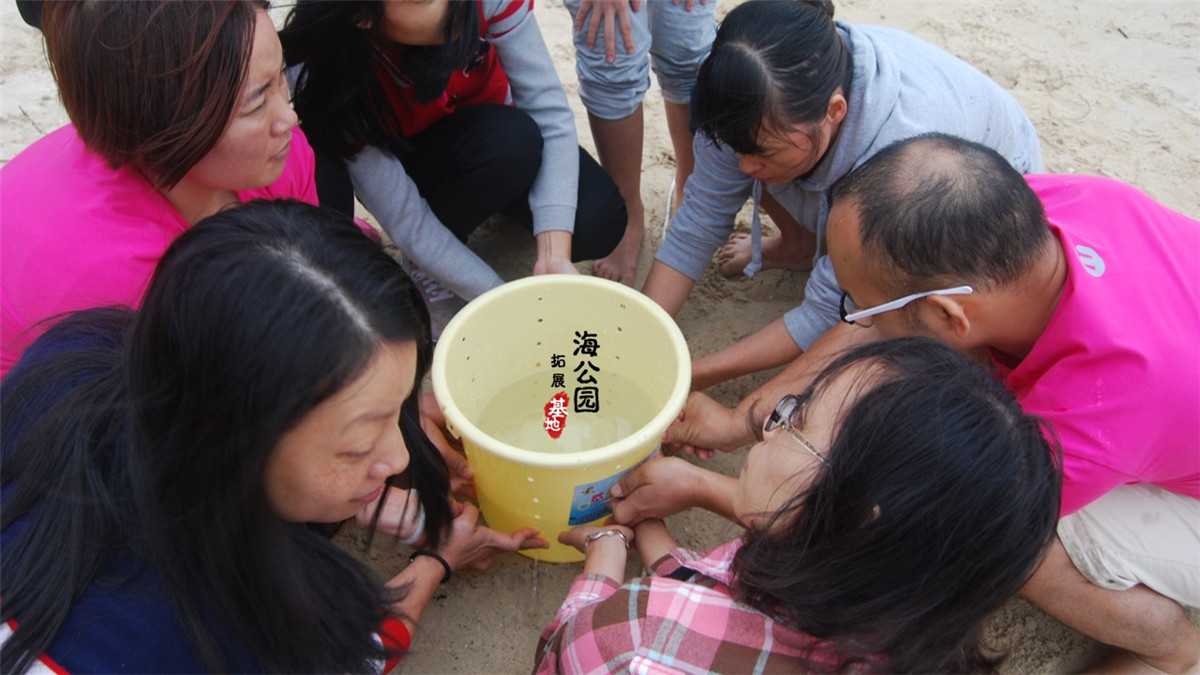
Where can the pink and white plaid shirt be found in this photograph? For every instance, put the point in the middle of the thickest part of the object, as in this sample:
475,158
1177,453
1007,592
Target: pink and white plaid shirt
661,624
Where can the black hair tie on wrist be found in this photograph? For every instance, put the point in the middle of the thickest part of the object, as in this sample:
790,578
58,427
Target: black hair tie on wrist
435,556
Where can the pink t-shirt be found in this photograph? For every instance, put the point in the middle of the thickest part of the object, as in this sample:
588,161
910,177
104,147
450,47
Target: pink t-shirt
76,234
1117,370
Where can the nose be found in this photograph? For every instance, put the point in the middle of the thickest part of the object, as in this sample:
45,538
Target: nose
286,118
749,164
393,458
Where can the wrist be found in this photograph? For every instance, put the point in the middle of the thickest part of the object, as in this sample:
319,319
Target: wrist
605,533
554,245
434,558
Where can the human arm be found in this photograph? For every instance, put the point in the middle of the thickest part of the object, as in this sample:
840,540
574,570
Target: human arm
712,197
653,540
387,191
536,90
769,347
820,310
554,253
608,12
667,485
467,545
668,287
706,425
605,555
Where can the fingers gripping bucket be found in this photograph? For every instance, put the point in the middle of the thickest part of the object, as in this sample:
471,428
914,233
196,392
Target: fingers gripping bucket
551,364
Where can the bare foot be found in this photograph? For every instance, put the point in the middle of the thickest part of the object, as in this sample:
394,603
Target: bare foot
777,253
621,264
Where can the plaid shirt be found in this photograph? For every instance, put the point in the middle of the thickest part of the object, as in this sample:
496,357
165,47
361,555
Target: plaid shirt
660,624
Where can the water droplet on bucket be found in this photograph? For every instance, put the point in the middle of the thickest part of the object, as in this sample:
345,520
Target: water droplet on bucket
537,516
529,478
536,500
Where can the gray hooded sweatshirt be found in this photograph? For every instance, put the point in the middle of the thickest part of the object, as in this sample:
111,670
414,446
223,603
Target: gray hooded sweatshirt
901,87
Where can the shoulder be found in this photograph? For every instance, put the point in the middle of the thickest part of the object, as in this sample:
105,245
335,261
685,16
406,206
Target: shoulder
500,17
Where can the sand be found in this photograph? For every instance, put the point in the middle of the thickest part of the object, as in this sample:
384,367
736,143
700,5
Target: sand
1113,89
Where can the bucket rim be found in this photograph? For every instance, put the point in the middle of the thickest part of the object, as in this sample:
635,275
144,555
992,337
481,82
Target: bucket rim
460,426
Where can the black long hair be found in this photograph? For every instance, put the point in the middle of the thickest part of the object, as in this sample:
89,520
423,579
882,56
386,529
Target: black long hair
338,100
155,440
774,64
938,500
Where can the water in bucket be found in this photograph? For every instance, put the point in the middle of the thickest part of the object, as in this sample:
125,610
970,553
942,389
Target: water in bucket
517,415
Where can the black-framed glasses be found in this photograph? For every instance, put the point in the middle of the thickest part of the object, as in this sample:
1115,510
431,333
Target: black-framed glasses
781,417
850,312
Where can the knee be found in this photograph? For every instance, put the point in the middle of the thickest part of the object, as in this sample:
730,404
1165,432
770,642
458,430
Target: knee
504,132
613,91
600,217
500,143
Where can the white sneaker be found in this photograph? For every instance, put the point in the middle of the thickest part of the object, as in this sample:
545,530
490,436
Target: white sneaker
441,302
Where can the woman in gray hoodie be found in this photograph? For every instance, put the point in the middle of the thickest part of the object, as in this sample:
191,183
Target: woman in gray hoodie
790,99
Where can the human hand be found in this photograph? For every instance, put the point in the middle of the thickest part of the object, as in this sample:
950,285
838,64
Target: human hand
609,11
470,545
689,4
433,423
661,487
577,536
705,426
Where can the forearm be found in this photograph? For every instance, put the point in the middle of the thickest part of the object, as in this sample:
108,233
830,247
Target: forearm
387,191
800,372
714,492
653,541
668,287
553,246
537,91
606,556
422,577
770,347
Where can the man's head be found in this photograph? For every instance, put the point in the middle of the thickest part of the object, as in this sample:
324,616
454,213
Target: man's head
930,213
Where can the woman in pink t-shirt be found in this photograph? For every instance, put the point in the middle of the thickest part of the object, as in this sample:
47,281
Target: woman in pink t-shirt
178,109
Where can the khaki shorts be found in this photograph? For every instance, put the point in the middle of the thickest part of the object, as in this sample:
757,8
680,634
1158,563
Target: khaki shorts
1138,534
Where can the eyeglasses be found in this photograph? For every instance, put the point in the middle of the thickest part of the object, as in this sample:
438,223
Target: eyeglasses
781,416
851,313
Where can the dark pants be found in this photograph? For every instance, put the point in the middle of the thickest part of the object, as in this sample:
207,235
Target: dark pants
481,161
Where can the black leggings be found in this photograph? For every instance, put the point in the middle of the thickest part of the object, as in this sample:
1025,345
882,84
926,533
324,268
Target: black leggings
481,161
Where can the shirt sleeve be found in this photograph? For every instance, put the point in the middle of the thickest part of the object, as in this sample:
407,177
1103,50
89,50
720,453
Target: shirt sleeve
536,90
387,191
396,640
712,197
819,310
586,590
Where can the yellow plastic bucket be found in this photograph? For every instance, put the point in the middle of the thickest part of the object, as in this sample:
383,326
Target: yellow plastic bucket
556,351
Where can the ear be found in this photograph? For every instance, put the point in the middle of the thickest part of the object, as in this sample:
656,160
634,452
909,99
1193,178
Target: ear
950,317
835,112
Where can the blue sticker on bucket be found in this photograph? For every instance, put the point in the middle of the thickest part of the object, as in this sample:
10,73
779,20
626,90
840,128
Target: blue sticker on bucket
590,502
